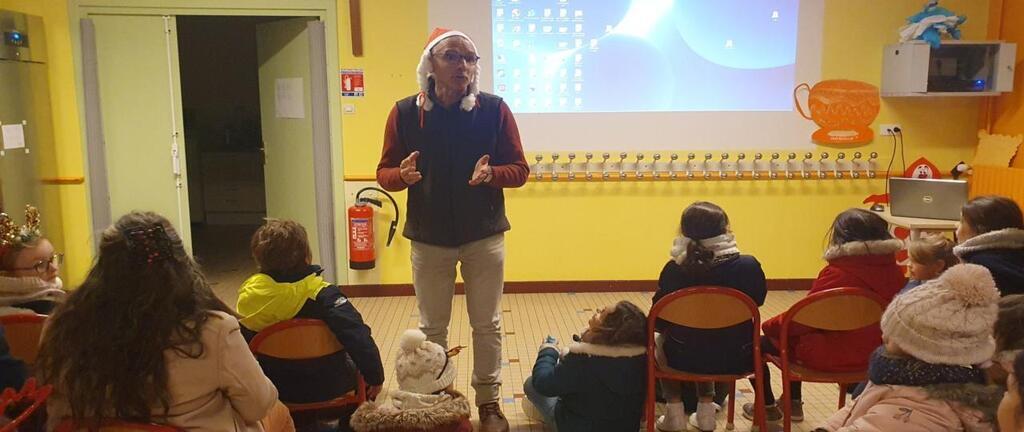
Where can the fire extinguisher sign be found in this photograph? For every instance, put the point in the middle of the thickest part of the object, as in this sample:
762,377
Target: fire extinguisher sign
352,82
362,234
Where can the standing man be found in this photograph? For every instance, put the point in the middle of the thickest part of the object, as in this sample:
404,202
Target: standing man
455,149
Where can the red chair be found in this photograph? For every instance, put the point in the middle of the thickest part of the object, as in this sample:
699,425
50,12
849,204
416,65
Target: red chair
708,308
23,332
30,393
302,339
112,425
837,309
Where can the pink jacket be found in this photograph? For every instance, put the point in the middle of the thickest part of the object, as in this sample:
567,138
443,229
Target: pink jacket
222,391
884,408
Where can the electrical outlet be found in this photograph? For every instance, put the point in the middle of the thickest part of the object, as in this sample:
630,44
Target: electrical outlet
887,129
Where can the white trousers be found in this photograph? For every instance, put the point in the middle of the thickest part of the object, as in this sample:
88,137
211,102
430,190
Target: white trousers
483,270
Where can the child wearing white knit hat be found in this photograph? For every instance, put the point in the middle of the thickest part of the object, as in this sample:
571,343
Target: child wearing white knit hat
425,399
926,376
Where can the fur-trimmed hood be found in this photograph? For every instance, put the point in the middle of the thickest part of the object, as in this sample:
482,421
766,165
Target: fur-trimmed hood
859,248
612,351
1009,238
971,396
1002,253
602,387
410,412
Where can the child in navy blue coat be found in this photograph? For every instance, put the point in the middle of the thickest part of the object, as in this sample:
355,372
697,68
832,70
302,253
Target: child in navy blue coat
598,383
705,254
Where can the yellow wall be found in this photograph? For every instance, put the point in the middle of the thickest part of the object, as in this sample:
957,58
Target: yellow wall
622,231
1007,115
74,215
584,231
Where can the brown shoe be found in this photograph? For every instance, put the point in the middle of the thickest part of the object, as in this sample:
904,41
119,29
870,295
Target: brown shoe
492,419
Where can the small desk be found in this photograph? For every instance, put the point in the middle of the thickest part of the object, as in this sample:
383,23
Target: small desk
916,225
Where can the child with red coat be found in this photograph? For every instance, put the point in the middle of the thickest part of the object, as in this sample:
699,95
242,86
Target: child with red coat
861,254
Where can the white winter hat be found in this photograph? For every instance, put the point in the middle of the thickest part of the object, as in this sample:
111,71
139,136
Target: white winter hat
422,366
425,70
946,320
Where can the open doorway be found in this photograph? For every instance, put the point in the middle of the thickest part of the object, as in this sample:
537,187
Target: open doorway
224,141
143,117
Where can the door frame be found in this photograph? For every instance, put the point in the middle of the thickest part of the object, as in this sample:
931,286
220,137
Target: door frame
325,10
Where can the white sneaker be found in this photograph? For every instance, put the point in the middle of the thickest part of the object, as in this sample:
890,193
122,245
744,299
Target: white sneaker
693,417
704,418
674,419
531,411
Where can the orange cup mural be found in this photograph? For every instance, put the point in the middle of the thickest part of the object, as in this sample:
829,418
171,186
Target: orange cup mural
842,109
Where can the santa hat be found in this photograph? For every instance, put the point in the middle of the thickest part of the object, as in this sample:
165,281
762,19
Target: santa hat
425,70
422,366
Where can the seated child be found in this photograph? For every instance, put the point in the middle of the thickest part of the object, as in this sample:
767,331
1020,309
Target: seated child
705,253
288,286
925,377
598,383
28,267
1011,410
426,400
145,338
991,234
929,257
861,254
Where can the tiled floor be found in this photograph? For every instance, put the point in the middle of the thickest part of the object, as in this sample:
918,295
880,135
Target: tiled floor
526,320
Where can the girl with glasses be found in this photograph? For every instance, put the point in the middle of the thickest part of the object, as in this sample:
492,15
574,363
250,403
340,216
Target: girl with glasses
28,267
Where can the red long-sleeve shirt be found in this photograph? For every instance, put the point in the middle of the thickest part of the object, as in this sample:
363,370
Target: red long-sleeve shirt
508,166
443,208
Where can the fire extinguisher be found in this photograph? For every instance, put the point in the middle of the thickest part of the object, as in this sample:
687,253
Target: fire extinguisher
361,254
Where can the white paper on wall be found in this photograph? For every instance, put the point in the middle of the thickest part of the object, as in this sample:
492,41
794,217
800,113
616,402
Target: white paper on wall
288,98
14,136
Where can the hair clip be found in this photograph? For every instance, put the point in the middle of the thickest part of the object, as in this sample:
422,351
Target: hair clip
149,244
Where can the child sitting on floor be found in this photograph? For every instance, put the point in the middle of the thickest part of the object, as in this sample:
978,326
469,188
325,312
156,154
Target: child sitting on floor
288,286
929,257
426,399
925,377
599,383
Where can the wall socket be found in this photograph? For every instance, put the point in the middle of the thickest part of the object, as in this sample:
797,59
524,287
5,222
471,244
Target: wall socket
885,129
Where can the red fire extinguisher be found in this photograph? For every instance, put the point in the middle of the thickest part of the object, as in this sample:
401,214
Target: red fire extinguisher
361,253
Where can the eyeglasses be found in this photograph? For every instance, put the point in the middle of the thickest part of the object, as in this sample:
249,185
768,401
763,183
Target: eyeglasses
454,58
43,266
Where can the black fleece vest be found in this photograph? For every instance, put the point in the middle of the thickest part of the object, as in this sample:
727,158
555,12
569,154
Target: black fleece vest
443,209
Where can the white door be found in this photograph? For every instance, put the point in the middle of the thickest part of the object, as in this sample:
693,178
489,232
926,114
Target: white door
296,132
133,119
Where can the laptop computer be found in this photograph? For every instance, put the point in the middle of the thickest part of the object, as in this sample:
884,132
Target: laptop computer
927,198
